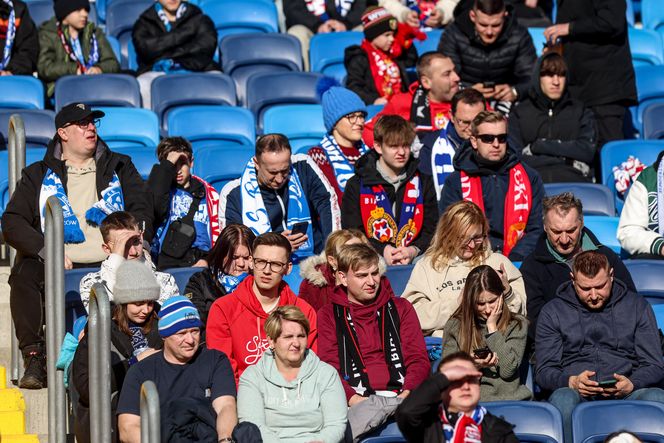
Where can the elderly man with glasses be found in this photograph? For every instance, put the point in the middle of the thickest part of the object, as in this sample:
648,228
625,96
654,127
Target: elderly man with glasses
235,323
91,182
508,191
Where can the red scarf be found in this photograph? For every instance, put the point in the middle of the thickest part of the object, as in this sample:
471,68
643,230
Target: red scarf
212,200
384,70
518,202
466,429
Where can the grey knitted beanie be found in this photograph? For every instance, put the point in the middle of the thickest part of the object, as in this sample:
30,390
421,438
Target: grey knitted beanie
135,282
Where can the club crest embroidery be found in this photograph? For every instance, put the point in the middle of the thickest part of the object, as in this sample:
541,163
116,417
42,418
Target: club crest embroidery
381,226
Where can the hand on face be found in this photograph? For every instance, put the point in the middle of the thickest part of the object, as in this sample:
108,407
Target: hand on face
494,316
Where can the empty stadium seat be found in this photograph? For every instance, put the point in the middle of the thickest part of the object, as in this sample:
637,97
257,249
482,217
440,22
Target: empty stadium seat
398,277
21,92
120,18
653,122
241,16
326,52
537,34
648,275
596,199
73,305
171,91
533,421
97,90
245,54
302,124
386,433
211,125
209,167
646,46
129,127
40,11
649,88
605,229
652,14
592,421
431,42
39,126
31,156
265,90
182,276
141,157
115,45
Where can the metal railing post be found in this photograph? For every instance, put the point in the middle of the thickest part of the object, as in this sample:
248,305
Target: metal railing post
55,318
150,414
16,164
99,363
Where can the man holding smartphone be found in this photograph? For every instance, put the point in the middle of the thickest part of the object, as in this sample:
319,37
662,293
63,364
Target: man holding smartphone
597,340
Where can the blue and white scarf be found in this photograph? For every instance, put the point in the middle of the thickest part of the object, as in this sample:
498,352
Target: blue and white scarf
181,200
255,216
442,161
11,34
660,196
317,8
230,282
111,201
343,170
162,14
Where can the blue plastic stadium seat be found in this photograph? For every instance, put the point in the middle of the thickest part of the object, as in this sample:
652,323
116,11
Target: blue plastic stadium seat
220,164
97,90
372,110
171,91
658,309
120,18
241,16
129,127
31,156
211,125
646,46
605,229
537,34
302,124
431,42
387,433
130,61
294,279
652,13
592,421
182,276
115,45
40,11
142,157
597,199
653,122
39,126
245,54
265,90
398,277
21,92
649,88
536,422
648,275
73,305
326,52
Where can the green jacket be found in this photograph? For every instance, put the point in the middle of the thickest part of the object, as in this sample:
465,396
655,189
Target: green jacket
54,62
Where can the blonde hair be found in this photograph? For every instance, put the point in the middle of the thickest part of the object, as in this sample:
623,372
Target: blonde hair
339,238
274,322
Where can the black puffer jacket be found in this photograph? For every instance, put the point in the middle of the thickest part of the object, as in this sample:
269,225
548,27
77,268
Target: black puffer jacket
510,59
23,60
191,42
296,13
203,290
558,132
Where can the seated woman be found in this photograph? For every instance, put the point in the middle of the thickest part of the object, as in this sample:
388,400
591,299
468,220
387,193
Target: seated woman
134,336
484,327
460,243
228,265
290,394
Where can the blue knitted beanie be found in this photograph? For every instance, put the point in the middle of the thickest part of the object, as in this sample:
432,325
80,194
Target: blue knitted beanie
178,313
337,102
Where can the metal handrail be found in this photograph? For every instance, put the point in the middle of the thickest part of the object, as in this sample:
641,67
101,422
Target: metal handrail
99,363
150,414
16,136
55,318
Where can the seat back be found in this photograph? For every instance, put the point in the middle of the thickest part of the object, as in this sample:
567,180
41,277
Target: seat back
73,305
646,46
533,421
31,156
658,310
653,122
97,90
182,276
294,279
209,168
537,34
115,46
398,277
143,158
649,88
431,42
120,18
39,126
648,275
129,127
40,10
605,229
210,125
21,92
386,433
241,16
302,124
326,52
596,199
592,421
652,14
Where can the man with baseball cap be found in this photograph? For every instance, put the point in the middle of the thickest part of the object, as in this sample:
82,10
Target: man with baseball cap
90,182
188,377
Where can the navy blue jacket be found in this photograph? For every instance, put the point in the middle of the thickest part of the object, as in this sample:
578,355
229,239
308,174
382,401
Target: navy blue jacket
620,338
495,183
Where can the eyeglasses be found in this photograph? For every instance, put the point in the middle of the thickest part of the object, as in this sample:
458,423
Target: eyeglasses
477,239
85,123
355,117
275,266
489,138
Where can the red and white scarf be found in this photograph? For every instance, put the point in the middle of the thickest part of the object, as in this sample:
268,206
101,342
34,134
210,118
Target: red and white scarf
467,429
518,202
384,70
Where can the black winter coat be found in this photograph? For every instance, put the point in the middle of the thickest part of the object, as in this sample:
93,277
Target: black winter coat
558,133
510,59
203,289
418,420
23,60
296,13
191,42
597,53
365,169
21,225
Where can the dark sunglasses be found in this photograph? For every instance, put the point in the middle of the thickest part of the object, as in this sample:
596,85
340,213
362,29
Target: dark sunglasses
489,138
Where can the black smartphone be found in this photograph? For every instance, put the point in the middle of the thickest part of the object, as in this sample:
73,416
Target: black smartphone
300,228
610,383
481,353
489,85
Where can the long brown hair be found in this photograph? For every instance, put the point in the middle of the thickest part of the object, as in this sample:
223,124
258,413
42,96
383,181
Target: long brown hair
122,319
480,279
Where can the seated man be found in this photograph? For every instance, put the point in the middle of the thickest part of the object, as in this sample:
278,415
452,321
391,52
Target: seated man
564,238
90,181
187,376
235,322
439,147
123,240
343,115
370,336
557,132
447,403
19,39
285,193
185,208
492,52
388,198
172,36
641,228
597,340
510,192
427,101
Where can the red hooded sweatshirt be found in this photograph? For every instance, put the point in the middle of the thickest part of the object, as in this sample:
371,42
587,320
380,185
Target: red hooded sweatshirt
366,324
235,324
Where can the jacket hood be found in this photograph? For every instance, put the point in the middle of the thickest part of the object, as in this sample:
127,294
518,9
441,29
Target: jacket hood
466,160
535,91
385,292
366,168
317,272
54,152
267,367
542,253
467,27
245,295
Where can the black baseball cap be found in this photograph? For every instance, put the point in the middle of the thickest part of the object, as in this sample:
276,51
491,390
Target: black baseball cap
75,112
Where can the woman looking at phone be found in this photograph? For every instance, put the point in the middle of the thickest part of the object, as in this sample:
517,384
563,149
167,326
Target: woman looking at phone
484,327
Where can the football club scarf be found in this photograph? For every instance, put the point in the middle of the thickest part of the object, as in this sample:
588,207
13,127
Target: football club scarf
442,165
162,14
378,219
11,35
467,429
254,214
518,202
74,50
317,8
426,115
660,196
230,282
343,170
385,72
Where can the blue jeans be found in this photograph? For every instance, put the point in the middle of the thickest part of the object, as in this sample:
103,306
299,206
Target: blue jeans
566,399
